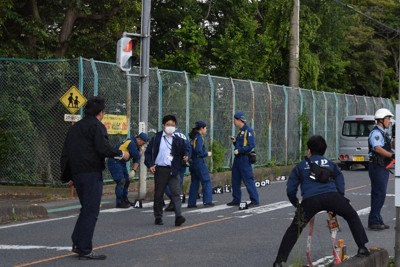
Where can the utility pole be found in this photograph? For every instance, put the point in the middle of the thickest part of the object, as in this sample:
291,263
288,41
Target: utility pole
144,87
294,45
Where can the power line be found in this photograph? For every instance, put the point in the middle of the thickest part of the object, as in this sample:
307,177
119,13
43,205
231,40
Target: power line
384,30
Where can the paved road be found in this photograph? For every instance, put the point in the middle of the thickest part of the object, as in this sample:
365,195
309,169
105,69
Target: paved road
218,236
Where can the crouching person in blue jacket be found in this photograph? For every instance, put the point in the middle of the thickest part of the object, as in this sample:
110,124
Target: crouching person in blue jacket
318,196
119,170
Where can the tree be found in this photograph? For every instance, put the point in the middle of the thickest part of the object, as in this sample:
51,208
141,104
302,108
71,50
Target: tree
65,29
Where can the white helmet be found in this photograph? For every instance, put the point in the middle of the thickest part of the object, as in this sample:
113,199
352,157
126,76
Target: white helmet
382,113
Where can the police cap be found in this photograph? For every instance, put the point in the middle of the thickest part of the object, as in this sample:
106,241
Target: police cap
200,124
240,116
143,136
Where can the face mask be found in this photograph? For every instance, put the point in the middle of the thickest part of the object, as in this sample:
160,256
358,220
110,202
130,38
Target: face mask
169,129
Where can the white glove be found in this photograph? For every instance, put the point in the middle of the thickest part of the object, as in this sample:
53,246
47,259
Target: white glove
132,174
233,139
209,153
236,152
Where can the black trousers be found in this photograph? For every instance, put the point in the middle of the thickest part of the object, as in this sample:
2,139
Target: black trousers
162,178
334,202
89,187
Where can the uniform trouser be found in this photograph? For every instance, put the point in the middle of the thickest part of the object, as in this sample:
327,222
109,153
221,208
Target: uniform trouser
120,175
379,177
89,187
199,174
162,178
181,176
242,171
324,202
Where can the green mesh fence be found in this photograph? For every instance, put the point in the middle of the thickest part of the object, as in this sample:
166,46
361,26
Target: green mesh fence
33,128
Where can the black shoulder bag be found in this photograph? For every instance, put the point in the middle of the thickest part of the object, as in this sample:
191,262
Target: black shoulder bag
319,173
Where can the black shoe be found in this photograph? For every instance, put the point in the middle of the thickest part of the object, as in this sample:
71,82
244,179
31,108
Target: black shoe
125,200
209,205
179,220
277,264
376,227
191,206
170,207
386,226
75,250
252,205
158,221
232,204
363,252
92,256
123,205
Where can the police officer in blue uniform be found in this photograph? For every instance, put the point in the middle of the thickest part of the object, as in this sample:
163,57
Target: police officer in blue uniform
198,169
243,144
318,196
380,149
119,171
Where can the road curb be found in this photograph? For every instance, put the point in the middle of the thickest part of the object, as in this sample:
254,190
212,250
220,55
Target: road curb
21,212
379,258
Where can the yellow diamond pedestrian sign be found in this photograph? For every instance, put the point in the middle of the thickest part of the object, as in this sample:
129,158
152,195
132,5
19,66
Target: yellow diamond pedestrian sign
73,100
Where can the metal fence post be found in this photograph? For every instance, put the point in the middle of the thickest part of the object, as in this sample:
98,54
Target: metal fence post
187,102
211,115
336,124
160,97
95,78
301,123
269,124
233,113
313,111
286,123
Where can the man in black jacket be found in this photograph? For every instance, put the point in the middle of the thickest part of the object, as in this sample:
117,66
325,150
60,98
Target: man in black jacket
164,156
82,162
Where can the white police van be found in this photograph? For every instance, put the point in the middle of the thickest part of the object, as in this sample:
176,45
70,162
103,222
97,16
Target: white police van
353,142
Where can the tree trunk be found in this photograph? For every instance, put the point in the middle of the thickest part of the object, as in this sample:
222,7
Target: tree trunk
66,32
294,46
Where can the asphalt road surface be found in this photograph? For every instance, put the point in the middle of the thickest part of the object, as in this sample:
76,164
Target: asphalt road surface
217,236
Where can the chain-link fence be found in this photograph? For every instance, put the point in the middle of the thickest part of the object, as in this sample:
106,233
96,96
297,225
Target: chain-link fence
33,128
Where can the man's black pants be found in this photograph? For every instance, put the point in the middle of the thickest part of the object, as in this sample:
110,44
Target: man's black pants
162,178
89,187
333,202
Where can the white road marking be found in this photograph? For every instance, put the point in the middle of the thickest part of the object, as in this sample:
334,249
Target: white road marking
266,208
369,194
211,209
364,211
35,222
18,247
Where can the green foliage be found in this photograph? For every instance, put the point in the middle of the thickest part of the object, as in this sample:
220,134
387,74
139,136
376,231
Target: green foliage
5,140
22,142
340,50
218,154
305,131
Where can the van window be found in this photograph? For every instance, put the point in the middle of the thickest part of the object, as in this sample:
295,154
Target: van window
357,128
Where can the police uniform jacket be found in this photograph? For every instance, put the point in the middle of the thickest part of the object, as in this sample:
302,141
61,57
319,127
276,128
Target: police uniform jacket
379,137
178,151
85,148
198,147
245,141
310,187
129,145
